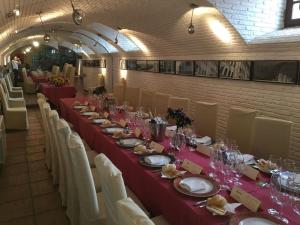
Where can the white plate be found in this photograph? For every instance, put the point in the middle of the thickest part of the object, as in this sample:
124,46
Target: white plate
130,142
111,130
87,113
256,221
285,181
157,160
196,185
99,121
79,106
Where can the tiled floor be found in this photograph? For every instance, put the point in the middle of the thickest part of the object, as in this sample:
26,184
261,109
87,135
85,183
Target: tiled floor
27,195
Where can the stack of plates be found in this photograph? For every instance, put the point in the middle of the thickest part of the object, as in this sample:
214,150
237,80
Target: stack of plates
156,160
112,130
130,142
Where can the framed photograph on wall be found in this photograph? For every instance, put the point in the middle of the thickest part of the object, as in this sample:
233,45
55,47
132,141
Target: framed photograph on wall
97,63
207,68
185,67
123,64
276,71
235,70
167,66
131,64
102,63
141,65
153,66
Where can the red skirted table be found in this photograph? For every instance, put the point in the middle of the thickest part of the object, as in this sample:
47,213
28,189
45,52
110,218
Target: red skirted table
54,93
157,194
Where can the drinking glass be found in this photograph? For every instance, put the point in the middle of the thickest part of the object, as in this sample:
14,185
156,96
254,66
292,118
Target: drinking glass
277,160
213,158
238,166
296,192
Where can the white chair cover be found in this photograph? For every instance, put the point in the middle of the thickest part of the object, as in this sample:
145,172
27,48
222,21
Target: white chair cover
240,127
205,119
180,103
130,213
132,96
89,208
271,136
161,103
112,184
119,93
147,100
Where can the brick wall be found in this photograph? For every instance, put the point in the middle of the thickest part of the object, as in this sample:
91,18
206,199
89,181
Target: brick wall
254,18
278,101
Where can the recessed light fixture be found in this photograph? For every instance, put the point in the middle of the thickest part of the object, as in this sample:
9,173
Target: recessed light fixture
16,31
77,14
36,44
16,12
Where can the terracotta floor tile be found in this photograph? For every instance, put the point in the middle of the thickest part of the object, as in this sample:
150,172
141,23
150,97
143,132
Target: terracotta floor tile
16,209
42,187
14,169
37,165
40,175
36,156
47,202
56,217
35,149
15,159
15,151
13,180
21,221
14,193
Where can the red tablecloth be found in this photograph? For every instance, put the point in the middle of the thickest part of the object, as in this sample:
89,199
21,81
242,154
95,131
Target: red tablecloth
157,194
55,93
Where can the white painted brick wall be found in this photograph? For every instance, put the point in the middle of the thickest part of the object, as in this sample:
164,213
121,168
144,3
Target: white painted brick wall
253,18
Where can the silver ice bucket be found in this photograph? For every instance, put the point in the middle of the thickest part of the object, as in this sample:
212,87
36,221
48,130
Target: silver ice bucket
157,131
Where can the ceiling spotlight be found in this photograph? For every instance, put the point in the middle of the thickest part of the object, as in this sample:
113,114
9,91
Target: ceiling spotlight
35,43
191,28
116,41
28,49
47,38
24,52
77,14
16,31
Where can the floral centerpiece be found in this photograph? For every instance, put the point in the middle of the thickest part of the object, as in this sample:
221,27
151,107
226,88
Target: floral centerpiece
58,81
181,119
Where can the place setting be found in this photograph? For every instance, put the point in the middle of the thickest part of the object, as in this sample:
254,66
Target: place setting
156,160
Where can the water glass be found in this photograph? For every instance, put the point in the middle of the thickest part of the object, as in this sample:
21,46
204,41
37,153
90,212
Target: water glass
296,193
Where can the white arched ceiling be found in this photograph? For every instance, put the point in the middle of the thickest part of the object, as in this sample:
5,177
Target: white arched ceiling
157,28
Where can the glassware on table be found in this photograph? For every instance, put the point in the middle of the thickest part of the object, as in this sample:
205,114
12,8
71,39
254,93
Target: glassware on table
296,193
276,160
213,159
191,136
238,166
177,144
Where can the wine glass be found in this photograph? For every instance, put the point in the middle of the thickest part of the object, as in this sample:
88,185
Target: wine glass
296,191
213,158
238,167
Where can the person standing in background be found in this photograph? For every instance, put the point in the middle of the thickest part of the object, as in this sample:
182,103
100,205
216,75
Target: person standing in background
15,66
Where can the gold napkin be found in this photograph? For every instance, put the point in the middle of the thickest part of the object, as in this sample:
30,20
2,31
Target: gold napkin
170,171
140,149
76,103
216,205
106,123
266,164
94,116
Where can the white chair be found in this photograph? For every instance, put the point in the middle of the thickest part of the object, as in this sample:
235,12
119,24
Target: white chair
14,118
240,127
12,101
65,69
129,213
91,205
132,96
10,84
180,103
119,93
271,136
205,119
161,103
12,93
147,100
113,187
29,85
55,70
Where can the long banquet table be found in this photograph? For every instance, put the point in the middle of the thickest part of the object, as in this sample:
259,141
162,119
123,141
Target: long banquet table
157,194
55,93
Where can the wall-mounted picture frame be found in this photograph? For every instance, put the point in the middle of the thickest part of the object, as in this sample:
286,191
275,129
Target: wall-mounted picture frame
131,64
276,71
207,68
102,63
185,67
123,64
153,66
141,65
235,70
167,66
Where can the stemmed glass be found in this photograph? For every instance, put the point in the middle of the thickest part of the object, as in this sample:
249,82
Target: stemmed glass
238,166
296,191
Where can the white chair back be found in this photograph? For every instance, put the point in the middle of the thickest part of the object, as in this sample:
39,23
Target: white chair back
119,93
89,208
271,136
55,70
129,213
240,127
161,103
180,103
112,185
205,119
147,99
132,96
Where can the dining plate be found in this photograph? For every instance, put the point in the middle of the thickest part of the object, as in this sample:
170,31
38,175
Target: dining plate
196,186
284,180
112,130
79,106
87,113
257,166
99,121
156,160
251,218
130,142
